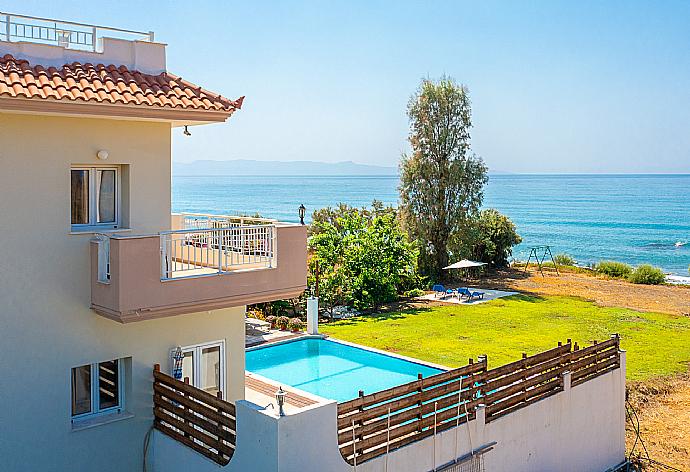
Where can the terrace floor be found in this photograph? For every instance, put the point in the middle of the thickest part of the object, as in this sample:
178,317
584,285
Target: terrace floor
199,271
255,337
488,296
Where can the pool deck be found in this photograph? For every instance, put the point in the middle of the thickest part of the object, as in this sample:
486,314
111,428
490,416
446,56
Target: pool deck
258,338
261,391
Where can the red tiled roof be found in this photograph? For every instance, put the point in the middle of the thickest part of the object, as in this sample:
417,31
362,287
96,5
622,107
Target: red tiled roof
107,84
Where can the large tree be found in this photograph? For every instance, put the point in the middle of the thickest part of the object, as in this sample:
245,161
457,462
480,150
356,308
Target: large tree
441,182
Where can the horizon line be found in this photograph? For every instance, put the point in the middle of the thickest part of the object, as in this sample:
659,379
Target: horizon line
496,173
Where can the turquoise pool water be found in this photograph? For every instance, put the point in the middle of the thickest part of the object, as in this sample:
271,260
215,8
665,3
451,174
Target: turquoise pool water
331,369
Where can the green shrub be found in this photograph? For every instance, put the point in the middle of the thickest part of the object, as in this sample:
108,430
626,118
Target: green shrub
613,269
255,313
295,324
282,322
363,256
415,292
647,274
489,238
564,259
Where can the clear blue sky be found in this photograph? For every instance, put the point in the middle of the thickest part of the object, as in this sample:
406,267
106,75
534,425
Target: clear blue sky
579,86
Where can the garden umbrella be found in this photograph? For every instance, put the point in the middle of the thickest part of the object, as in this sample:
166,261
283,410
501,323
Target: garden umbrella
465,264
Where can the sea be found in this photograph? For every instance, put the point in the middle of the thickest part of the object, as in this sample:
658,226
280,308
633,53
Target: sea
630,218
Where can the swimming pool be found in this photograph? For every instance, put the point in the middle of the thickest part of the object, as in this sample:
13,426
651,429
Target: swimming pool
331,369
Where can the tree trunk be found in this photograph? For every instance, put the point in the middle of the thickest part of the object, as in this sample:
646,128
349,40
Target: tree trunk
441,261
440,256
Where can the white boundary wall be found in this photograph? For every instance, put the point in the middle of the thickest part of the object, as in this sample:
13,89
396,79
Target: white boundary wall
579,429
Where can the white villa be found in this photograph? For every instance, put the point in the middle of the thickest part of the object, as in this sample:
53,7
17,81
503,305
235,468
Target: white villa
109,300
95,289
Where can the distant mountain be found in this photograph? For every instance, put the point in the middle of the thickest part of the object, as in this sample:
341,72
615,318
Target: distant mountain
251,167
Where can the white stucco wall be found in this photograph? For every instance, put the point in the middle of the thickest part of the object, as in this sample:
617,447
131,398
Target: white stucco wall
144,56
580,429
46,325
302,442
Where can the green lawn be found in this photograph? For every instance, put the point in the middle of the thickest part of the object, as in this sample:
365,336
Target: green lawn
656,344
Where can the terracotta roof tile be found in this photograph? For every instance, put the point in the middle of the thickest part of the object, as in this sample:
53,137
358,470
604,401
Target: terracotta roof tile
107,83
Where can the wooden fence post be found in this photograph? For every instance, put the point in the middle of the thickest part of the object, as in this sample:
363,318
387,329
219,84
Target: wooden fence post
184,419
156,368
483,359
360,422
354,447
524,378
419,403
219,395
617,337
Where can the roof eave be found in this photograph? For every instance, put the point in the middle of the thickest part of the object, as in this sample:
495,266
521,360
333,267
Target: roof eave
176,116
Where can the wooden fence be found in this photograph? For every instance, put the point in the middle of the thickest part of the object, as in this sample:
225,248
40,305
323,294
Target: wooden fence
372,425
194,417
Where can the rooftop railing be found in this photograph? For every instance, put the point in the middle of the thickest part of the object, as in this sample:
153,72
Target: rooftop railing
67,34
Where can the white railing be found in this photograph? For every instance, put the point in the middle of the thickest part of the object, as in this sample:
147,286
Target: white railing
206,221
67,34
209,251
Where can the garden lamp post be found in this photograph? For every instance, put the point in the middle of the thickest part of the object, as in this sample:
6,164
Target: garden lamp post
280,399
302,211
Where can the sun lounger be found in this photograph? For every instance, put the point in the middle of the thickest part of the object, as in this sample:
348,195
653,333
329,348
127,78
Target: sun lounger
438,288
257,324
465,292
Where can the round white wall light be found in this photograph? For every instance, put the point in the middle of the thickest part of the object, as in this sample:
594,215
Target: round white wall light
102,154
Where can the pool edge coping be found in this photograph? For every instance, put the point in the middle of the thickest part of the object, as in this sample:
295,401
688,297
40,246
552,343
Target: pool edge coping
413,360
283,341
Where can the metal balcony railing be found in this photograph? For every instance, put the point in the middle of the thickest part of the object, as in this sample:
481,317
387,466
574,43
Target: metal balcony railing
207,251
67,34
207,221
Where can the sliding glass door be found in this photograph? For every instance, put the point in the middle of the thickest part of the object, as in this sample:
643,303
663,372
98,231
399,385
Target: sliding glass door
204,366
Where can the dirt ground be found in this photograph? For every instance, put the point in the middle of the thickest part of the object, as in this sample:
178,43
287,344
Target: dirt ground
662,405
605,292
663,409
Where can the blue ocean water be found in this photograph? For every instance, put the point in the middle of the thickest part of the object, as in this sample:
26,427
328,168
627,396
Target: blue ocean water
631,218
332,370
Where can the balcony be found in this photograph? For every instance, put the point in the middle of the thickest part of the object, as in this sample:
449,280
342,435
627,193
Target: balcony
203,263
